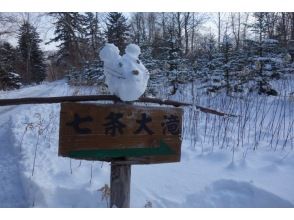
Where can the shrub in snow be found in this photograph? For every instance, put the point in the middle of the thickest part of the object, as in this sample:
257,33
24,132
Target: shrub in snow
91,74
265,88
9,80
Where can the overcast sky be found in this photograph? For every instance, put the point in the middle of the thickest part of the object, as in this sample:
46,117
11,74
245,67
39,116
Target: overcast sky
45,27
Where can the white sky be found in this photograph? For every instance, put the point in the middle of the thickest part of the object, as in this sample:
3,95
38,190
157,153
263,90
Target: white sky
146,5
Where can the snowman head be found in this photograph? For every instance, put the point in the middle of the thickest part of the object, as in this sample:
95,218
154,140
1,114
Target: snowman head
126,67
126,76
131,66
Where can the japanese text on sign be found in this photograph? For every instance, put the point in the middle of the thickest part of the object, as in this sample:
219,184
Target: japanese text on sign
104,132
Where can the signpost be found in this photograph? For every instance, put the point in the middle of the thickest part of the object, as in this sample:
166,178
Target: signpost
122,134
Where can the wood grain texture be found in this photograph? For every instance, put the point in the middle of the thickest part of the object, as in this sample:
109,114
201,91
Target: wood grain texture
86,128
120,185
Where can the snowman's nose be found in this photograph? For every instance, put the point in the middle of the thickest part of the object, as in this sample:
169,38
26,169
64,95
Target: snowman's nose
135,72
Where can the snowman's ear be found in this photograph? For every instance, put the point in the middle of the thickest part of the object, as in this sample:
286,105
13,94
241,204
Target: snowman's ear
109,53
133,50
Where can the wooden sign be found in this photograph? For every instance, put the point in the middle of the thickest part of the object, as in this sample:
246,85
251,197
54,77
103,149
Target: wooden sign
120,132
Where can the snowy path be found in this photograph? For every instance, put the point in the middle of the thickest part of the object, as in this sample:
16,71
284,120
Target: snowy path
34,91
13,193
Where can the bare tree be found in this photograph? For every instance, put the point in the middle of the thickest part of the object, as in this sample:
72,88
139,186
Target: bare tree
219,29
197,20
236,27
179,24
187,17
283,28
151,23
245,25
292,25
138,27
271,21
163,24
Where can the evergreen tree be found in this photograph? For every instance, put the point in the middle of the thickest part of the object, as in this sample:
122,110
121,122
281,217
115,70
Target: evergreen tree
8,78
226,49
32,56
117,30
259,27
93,34
8,57
70,32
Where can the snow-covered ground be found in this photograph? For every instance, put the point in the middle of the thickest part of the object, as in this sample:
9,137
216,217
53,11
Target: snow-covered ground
32,174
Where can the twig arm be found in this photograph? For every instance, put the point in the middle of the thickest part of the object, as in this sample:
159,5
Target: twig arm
51,100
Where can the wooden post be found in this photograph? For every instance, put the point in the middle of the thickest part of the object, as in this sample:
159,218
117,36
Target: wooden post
120,183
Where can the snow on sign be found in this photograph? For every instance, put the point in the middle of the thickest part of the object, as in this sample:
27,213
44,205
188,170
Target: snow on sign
120,132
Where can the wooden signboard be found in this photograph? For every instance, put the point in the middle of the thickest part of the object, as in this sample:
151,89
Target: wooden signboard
120,132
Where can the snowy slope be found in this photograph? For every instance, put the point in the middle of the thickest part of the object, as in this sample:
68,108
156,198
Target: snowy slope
32,175
14,193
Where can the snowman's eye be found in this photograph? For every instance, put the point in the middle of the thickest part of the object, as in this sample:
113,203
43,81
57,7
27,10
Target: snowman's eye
120,64
138,61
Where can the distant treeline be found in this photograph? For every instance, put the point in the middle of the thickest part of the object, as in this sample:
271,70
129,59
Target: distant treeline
219,44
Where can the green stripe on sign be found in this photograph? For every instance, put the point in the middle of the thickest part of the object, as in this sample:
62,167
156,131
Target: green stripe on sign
163,149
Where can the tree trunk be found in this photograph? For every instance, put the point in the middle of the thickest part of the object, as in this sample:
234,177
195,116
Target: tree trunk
292,25
238,31
179,34
186,22
284,31
245,25
193,32
219,30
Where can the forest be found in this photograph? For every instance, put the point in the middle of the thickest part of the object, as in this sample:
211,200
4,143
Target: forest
235,53
232,73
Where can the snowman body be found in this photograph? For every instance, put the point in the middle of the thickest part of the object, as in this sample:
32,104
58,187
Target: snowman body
126,76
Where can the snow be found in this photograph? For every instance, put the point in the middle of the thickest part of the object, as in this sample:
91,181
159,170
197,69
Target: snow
13,194
211,180
32,174
126,76
270,41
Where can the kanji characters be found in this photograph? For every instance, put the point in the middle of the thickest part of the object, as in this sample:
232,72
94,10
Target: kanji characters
144,120
76,124
114,125
171,124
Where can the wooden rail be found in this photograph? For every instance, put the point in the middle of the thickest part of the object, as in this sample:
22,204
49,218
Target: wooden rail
51,100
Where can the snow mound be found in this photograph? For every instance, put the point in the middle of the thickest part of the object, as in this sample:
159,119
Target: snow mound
233,194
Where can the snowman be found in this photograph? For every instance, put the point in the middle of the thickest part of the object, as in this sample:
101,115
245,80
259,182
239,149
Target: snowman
126,76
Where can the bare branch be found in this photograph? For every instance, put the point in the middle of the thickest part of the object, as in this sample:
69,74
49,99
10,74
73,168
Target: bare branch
51,100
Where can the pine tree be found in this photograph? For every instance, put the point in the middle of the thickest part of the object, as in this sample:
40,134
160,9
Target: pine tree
259,27
117,30
93,34
226,50
32,56
70,32
8,57
9,79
